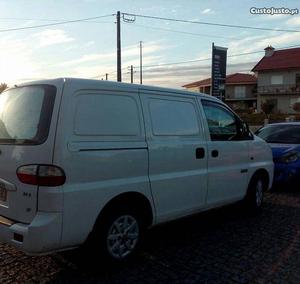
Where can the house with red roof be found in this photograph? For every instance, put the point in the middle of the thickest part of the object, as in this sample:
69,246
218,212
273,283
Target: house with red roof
240,89
278,78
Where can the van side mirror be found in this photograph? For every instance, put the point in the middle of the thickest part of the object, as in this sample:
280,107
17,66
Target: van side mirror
244,131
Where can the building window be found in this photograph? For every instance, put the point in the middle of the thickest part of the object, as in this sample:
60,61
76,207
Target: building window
297,80
239,92
277,80
293,101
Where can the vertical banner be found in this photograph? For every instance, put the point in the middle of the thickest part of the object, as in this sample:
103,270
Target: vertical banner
218,71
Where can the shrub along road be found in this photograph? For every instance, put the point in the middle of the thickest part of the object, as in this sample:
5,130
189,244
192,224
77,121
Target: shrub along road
220,246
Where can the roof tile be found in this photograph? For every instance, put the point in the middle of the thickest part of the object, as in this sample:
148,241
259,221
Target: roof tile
281,59
232,79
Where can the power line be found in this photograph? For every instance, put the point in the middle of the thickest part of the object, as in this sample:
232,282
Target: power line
55,24
193,34
109,73
53,20
28,19
183,32
193,68
196,60
211,23
209,58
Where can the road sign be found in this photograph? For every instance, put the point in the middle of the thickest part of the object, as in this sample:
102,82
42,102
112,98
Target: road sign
218,71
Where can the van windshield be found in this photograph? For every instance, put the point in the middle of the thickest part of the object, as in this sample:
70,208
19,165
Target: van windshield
25,114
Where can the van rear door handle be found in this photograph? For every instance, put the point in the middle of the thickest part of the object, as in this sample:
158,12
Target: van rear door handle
200,153
214,153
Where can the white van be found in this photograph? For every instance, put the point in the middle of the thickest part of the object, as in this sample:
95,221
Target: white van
102,161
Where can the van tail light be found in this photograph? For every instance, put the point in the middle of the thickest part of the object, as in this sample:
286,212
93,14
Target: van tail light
43,175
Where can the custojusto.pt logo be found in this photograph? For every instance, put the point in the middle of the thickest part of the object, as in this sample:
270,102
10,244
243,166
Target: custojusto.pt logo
273,11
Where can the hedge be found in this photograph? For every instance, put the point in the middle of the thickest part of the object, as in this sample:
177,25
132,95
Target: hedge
258,118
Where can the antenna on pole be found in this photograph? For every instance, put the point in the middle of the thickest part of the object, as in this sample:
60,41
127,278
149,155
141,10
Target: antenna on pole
119,67
141,62
131,74
129,19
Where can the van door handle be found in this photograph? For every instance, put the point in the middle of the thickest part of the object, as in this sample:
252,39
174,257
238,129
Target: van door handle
200,153
214,153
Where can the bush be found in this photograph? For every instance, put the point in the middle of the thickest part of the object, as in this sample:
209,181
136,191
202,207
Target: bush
253,119
296,106
3,86
258,118
267,107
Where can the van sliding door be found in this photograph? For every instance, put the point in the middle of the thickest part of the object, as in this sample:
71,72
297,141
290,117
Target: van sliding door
177,154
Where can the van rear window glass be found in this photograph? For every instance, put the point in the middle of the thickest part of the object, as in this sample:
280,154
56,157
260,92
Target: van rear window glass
25,114
106,115
173,118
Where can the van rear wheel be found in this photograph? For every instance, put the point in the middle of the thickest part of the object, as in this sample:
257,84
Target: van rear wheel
122,236
117,235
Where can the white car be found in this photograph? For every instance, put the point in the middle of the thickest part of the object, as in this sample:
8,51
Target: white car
99,161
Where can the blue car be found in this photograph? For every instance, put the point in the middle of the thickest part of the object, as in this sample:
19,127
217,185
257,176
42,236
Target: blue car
284,139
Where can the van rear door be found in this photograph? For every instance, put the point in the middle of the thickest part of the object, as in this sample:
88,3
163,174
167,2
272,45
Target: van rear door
25,119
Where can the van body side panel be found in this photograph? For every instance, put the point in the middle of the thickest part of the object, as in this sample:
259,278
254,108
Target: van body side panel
228,174
101,146
114,138
261,158
178,178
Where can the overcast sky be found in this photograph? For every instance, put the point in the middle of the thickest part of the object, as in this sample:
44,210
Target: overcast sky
88,49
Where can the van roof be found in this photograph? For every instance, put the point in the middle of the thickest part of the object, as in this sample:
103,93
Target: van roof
128,86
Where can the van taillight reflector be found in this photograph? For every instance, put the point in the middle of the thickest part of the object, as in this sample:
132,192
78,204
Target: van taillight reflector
44,175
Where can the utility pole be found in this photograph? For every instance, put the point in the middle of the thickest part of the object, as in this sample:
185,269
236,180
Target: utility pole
119,73
106,76
131,74
141,63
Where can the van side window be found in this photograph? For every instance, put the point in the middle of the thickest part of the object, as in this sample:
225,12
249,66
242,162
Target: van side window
221,122
173,117
106,115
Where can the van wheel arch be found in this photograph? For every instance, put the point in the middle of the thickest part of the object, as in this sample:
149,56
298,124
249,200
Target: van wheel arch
261,173
257,185
132,206
132,199
136,200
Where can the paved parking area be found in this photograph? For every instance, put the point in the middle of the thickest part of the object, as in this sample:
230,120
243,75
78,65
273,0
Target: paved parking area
220,246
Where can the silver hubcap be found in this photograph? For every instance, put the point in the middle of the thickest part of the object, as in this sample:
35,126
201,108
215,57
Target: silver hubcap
259,193
122,236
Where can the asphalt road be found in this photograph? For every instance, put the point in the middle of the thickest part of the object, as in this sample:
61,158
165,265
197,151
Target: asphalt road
221,246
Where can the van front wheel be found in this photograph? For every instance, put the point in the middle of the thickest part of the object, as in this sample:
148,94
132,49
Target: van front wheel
255,194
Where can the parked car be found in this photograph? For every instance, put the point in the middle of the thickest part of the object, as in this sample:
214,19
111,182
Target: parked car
99,162
284,139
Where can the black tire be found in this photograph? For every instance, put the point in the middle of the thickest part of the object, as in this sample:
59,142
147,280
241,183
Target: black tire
255,193
108,232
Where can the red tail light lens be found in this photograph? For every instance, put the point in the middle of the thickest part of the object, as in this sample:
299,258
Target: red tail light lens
43,175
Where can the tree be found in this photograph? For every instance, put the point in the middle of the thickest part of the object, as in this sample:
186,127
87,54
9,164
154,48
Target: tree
296,106
267,107
3,86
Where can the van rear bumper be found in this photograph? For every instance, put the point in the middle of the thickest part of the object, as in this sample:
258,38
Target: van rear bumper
42,235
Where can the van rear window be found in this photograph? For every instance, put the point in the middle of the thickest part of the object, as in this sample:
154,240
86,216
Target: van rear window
25,114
